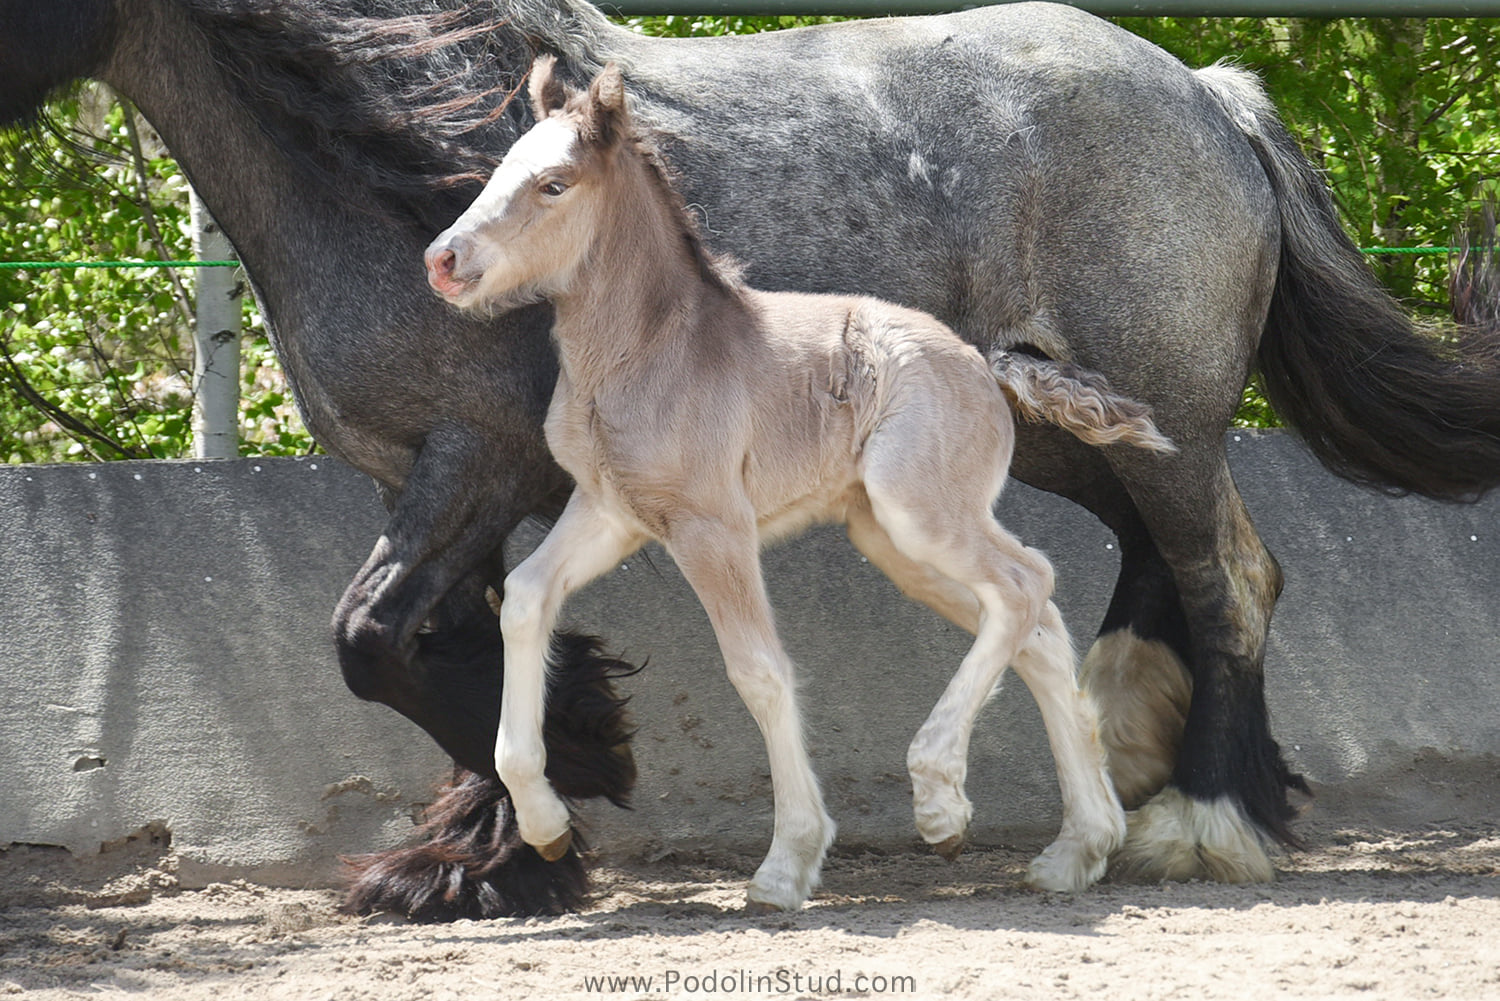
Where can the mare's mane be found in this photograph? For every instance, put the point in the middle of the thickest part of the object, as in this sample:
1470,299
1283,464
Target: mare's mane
386,98
393,106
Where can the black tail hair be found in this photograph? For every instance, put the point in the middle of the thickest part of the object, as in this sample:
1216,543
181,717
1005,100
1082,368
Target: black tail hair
1379,401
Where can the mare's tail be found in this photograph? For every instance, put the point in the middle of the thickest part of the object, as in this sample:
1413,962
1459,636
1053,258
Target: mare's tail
1380,402
1077,400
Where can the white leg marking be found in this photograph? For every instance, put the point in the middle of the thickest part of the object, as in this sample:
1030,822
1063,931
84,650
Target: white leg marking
1142,690
1177,837
584,543
938,758
723,566
1093,821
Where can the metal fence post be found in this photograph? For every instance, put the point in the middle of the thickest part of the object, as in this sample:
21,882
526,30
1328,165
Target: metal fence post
216,343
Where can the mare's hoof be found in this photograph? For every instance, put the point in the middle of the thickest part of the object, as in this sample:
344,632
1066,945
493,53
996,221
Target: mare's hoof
554,850
950,848
760,908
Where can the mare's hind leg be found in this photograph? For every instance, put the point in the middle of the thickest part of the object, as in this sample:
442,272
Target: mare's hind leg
1136,672
1227,795
722,563
1136,667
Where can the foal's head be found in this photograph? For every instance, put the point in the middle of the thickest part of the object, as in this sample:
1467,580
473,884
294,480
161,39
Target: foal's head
527,232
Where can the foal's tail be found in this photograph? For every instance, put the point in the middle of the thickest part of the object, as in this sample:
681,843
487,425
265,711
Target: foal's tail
1379,401
1076,400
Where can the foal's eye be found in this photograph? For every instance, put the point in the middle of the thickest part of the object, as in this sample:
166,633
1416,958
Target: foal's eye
553,188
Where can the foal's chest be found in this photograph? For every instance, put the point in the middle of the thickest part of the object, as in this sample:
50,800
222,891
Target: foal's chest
630,451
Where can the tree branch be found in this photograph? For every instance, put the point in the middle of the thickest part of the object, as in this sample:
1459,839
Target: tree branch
71,426
148,214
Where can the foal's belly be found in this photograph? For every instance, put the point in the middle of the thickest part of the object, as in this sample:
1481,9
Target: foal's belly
791,482
827,505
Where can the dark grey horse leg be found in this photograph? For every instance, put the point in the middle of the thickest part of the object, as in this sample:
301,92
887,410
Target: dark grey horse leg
1228,792
1163,729
415,632
1137,666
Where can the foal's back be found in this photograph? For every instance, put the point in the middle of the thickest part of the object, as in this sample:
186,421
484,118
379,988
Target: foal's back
819,374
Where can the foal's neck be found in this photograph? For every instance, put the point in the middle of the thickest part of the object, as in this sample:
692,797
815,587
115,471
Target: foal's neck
642,287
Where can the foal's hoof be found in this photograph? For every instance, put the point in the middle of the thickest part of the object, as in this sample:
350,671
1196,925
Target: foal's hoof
950,848
554,850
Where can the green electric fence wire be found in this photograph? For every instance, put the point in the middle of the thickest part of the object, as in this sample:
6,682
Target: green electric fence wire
1410,250
76,265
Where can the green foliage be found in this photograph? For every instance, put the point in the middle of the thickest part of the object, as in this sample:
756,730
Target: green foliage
95,364
102,352
1401,113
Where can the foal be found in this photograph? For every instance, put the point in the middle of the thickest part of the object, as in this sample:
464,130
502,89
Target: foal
693,410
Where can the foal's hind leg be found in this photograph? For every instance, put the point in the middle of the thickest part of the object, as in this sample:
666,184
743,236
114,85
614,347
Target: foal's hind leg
1016,623
1093,825
917,580
1136,667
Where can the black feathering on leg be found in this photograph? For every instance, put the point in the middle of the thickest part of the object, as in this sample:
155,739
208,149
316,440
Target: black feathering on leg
470,861
587,730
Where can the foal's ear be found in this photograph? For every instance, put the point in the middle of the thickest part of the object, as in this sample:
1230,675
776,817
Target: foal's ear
546,90
607,103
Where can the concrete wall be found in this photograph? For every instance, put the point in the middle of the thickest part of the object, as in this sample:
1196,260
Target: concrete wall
166,654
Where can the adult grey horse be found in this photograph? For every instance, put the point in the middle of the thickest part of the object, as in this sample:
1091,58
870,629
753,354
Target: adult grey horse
1038,179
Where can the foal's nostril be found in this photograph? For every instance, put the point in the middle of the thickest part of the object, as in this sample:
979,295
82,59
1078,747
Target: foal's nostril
443,263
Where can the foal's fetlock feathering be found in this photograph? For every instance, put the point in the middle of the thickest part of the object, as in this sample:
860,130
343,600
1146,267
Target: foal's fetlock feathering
1077,400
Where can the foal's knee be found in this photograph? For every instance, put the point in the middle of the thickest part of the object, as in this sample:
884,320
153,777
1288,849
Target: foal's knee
522,606
759,677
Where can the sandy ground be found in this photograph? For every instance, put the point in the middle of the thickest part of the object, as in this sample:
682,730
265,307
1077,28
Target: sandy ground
1405,909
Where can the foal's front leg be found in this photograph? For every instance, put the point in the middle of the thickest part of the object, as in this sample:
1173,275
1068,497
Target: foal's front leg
585,542
722,563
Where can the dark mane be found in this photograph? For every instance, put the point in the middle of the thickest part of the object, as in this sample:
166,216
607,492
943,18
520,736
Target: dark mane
396,107
393,106
396,104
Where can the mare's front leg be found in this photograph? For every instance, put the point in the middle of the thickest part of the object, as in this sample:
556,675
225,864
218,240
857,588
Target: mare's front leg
414,632
586,541
721,560
446,529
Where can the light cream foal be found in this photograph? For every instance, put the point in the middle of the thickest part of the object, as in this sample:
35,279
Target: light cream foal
693,410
